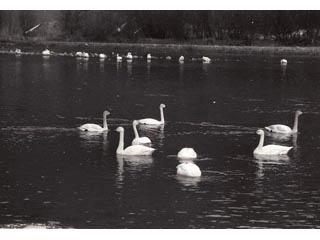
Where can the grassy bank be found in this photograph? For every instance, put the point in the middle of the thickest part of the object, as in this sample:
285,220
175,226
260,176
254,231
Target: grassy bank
141,49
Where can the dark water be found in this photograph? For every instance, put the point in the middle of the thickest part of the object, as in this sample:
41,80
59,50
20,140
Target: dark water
51,175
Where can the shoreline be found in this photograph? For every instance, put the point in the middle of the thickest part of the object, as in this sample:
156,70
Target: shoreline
141,49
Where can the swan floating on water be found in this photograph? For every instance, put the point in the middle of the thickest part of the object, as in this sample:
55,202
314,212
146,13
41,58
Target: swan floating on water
138,140
269,149
119,58
46,52
181,59
17,51
283,62
135,150
91,127
149,56
85,55
151,121
206,59
102,56
187,153
188,169
280,128
129,56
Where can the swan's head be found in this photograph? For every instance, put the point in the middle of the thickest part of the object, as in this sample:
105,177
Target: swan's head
260,132
106,113
120,129
162,105
135,122
298,112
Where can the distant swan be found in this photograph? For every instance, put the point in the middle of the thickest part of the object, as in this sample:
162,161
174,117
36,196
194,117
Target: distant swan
135,150
269,149
280,128
85,55
149,56
181,59
151,121
46,52
17,51
119,58
188,169
283,62
138,140
91,127
187,153
129,56
206,59
102,56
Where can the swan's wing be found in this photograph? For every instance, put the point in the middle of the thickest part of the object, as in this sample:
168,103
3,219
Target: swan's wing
275,150
138,150
90,127
150,121
278,128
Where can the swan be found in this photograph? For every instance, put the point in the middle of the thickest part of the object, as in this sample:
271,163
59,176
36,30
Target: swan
129,56
206,59
188,169
138,140
151,121
78,54
283,129
135,150
181,59
168,57
149,56
91,127
46,52
85,55
269,149
283,62
102,56
187,153
17,51
119,58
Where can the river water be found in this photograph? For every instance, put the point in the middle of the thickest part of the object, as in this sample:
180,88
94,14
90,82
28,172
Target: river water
53,176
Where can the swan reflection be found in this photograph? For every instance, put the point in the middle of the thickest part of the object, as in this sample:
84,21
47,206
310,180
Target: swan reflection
188,181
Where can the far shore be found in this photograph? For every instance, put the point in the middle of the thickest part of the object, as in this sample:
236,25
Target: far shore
142,49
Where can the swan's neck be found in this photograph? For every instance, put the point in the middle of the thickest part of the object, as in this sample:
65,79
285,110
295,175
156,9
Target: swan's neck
136,134
161,115
121,143
295,124
261,141
105,125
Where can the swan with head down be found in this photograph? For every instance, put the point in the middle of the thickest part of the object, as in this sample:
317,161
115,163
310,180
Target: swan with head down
151,121
283,129
138,140
271,149
188,169
91,127
135,150
187,153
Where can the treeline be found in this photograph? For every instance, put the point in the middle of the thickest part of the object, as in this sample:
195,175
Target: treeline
203,27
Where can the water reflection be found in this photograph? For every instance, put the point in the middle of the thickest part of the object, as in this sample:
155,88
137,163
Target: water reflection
265,162
188,181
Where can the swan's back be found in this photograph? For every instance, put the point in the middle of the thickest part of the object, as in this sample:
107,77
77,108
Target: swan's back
91,127
188,169
187,153
272,150
138,150
141,140
279,128
149,121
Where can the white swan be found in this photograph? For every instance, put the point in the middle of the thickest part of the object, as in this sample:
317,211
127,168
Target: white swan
119,58
188,169
149,56
135,150
138,140
206,59
283,129
102,56
187,153
181,59
85,55
283,62
168,58
91,127
269,149
46,52
151,121
78,54
17,51
129,56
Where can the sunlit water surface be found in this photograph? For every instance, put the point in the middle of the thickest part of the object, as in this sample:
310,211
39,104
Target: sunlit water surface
53,176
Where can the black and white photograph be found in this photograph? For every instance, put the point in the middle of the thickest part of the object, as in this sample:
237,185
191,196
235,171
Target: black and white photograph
159,119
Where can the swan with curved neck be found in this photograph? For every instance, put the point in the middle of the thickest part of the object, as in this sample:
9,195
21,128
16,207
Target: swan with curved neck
206,59
187,153
119,58
149,56
91,127
269,149
135,150
280,128
188,169
138,140
151,121
129,56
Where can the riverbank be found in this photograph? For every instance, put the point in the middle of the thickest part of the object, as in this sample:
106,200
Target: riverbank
161,50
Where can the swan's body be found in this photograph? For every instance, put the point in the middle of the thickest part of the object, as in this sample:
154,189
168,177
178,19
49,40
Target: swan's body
46,52
188,169
129,56
283,129
206,59
102,56
283,62
187,153
168,57
138,140
17,51
119,58
181,59
269,149
85,55
135,150
91,127
149,56
78,54
151,121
